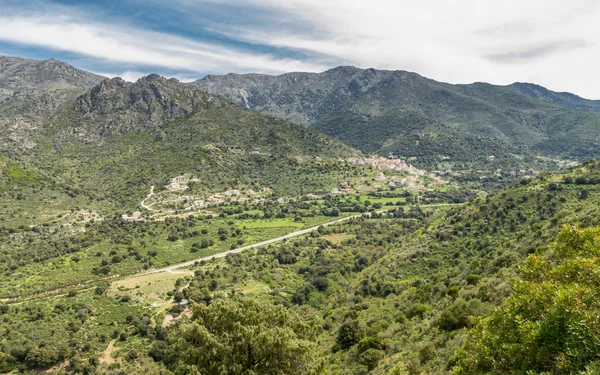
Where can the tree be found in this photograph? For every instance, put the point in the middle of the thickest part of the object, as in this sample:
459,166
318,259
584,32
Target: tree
349,334
371,358
584,194
242,335
550,324
101,289
44,356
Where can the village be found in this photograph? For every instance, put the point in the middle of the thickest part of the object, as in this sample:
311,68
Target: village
411,178
388,174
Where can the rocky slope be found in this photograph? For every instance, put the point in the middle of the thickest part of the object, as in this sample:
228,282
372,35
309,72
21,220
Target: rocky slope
410,115
17,73
31,90
115,106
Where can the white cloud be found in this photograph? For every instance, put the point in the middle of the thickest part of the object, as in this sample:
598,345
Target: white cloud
117,43
550,42
461,41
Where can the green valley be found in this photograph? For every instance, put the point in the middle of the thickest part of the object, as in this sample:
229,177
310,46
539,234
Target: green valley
364,222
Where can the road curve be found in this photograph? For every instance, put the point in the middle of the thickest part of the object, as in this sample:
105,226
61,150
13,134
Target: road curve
268,242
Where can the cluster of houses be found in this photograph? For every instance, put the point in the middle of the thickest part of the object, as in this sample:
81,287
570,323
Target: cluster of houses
410,182
180,183
384,164
345,190
191,202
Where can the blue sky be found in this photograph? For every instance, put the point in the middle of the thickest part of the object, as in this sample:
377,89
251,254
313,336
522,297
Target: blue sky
549,42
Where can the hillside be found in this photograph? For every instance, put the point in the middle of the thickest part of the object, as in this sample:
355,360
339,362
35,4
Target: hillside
409,115
389,294
107,144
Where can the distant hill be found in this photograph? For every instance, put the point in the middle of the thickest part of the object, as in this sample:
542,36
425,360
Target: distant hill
410,115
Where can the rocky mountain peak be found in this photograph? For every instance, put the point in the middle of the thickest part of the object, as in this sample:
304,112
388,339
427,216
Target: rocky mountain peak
120,106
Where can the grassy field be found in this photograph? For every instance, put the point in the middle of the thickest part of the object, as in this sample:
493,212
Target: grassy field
149,290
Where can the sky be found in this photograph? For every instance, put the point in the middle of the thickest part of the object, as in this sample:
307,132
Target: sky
549,42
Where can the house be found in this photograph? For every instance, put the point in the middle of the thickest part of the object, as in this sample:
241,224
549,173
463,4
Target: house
231,193
335,191
348,191
136,216
392,184
174,186
266,190
251,192
179,178
280,200
312,197
491,157
254,153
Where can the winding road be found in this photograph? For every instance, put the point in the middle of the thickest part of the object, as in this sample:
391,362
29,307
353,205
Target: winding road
143,202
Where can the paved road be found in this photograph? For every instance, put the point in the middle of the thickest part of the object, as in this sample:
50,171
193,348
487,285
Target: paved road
253,246
267,242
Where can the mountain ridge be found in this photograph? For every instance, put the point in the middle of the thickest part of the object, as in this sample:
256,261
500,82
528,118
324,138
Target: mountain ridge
351,103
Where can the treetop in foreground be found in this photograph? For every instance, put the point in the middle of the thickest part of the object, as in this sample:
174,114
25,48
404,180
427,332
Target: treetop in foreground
551,323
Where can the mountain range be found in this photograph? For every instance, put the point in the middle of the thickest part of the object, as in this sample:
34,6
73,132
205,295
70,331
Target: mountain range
399,112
